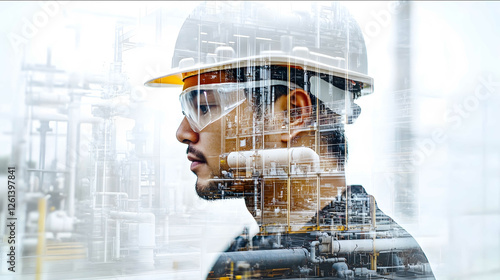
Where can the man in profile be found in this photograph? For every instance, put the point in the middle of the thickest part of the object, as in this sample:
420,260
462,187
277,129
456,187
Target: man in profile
266,94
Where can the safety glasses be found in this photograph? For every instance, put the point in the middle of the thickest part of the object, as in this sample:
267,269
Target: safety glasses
205,104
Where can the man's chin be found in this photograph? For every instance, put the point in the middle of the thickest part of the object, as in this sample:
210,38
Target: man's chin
208,190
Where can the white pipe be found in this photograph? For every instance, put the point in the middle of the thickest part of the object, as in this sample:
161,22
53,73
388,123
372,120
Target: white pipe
118,194
113,193
312,254
51,116
94,188
48,115
117,238
104,161
105,239
58,221
40,99
72,152
140,217
367,245
265,158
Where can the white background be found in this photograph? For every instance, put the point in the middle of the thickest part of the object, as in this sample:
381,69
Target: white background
454,54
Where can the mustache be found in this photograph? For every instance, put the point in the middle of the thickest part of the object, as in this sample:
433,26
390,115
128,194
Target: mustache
196,153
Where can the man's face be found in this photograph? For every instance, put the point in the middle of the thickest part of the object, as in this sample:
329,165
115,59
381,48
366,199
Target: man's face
203,151
206,146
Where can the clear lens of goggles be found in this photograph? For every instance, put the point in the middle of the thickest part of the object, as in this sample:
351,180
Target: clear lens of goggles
204,104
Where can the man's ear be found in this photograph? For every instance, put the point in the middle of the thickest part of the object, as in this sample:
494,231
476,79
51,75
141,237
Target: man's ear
300,105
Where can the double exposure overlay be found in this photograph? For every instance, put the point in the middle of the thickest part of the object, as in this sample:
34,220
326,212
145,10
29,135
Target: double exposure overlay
249,140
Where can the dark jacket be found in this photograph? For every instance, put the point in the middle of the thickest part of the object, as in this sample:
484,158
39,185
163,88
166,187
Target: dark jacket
346,245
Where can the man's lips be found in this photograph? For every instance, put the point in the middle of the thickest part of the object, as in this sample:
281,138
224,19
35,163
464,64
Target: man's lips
195,161
196,157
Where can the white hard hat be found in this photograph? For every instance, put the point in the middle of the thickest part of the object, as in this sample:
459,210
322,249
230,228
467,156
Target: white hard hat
319,37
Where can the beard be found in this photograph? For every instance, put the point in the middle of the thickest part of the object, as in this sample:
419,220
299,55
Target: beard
206,188
209,189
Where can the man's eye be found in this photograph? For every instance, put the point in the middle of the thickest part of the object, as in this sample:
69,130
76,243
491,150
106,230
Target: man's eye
204,109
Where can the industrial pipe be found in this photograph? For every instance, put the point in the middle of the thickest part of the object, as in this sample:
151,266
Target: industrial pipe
331,246
113,193
263,259
265,158
140,217
316,260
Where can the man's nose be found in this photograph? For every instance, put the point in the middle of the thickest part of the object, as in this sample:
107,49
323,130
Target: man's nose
185,133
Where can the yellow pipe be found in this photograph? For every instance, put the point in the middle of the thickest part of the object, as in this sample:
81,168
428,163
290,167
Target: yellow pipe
40,248
232,270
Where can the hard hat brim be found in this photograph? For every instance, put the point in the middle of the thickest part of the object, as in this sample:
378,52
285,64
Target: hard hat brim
176,75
